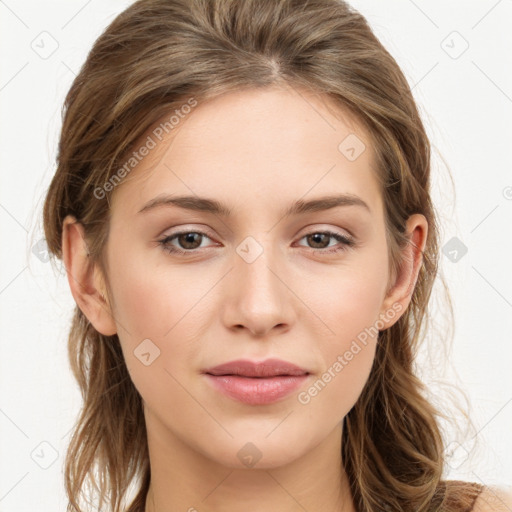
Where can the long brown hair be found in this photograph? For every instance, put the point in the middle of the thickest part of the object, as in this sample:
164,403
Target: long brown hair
150,60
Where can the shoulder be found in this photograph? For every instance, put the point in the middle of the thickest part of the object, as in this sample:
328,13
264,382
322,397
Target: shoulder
494,499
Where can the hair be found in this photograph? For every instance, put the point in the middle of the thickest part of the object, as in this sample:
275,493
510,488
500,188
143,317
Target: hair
149,61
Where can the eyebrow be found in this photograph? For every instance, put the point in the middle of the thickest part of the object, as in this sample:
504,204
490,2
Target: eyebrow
203,204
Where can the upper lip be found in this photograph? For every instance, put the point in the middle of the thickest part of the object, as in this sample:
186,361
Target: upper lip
247,368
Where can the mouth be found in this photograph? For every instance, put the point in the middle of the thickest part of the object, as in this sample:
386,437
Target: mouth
257,383
248,376
264,369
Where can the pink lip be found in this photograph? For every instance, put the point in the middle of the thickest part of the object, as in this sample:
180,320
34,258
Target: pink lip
267,368
256,390
257,383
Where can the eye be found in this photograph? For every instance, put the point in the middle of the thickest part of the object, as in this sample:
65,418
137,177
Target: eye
191,241
319,238
188,239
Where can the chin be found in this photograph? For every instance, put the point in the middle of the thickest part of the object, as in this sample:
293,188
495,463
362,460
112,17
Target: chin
261,451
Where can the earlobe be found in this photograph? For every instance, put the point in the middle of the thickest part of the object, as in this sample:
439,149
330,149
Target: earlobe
400,293
84,278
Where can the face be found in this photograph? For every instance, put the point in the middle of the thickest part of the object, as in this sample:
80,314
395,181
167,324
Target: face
192,288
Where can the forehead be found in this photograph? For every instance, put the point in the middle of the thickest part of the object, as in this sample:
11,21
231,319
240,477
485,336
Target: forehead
254,147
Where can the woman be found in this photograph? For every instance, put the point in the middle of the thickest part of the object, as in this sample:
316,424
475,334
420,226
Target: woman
242,206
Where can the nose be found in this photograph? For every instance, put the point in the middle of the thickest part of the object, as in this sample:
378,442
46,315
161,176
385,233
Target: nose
258,296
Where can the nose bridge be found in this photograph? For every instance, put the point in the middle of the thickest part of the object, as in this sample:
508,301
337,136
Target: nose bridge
256,268
261,300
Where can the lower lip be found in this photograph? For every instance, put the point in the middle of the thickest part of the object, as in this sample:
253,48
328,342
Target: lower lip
256,391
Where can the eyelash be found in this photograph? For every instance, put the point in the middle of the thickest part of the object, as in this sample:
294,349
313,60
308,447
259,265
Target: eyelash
345,241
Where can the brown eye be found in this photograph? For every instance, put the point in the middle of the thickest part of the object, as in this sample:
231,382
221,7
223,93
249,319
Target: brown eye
319,240
188,241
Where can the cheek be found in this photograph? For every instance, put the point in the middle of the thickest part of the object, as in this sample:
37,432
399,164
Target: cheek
347,299
348,354
156,312
337,388
154,301
349,306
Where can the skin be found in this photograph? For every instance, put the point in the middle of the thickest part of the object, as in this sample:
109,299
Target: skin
494,499
258,152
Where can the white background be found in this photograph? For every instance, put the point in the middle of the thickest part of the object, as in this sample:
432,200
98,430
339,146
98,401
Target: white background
465,98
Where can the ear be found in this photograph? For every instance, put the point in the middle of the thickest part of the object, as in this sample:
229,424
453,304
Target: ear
400,293
85,279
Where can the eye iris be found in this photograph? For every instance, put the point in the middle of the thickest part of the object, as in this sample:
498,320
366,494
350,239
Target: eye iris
188,238
316,236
